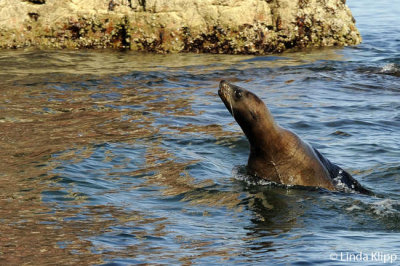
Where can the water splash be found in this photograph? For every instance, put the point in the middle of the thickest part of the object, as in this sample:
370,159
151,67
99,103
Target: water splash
390,69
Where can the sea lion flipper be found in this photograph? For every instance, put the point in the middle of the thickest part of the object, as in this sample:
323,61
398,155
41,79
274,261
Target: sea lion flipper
340,178
352,183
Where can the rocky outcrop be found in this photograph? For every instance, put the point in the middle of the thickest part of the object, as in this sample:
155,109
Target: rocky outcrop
215,26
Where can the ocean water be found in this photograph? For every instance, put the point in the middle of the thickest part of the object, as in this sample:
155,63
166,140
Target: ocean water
120,158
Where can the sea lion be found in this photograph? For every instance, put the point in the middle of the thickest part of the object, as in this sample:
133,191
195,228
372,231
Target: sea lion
277,154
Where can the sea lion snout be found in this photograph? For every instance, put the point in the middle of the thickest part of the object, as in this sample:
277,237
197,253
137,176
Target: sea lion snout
235,98
223,84
226,87
224,93
224,90
229,92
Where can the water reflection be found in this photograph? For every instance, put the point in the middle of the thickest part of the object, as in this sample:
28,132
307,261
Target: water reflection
53,172
128,157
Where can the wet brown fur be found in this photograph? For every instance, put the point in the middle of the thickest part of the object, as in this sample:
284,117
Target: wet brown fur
276,154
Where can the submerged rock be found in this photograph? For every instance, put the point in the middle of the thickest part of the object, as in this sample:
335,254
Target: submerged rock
214,26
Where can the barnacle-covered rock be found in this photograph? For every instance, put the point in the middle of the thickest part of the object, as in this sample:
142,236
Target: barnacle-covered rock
211,26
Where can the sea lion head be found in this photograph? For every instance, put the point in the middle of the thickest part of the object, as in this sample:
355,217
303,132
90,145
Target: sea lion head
249,111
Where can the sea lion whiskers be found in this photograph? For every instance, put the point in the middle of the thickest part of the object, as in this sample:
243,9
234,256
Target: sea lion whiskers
226,95
233,113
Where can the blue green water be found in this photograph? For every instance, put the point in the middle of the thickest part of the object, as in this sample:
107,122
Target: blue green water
122,158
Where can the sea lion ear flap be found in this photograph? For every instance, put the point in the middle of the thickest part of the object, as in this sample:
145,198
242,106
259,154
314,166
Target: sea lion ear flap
253,115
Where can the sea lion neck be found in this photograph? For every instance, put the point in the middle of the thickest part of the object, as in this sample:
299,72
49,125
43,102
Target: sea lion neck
252,115
264,136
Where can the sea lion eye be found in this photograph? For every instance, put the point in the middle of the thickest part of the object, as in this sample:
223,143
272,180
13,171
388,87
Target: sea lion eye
238,94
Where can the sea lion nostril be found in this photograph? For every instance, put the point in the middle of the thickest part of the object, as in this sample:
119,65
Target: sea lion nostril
223,84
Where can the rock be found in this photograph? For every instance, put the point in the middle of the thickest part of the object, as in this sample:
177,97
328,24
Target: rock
214,26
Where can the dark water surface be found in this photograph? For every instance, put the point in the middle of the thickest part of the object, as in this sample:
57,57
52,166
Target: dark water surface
124,158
